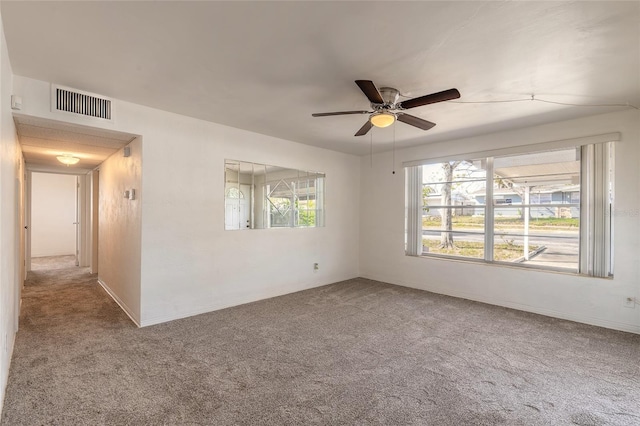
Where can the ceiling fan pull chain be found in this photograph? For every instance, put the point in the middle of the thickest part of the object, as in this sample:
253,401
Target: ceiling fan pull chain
393,172
371,148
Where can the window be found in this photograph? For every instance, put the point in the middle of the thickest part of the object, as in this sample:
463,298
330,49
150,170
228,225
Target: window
258,196
542,209
292,200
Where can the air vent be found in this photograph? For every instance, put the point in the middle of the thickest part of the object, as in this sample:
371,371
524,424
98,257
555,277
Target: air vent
81,103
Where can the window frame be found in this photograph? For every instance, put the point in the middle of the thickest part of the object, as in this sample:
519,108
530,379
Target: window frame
490,204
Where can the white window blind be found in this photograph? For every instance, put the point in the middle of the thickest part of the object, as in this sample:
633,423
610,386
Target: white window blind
596,197
414,210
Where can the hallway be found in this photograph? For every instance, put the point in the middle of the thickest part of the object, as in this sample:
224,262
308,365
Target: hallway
67,325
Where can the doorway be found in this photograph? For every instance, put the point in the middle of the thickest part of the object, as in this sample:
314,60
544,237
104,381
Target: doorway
54,220
61,218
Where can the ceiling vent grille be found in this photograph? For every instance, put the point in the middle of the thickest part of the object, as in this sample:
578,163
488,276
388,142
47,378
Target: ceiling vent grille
81,103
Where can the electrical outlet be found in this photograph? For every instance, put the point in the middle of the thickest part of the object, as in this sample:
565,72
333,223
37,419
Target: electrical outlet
315,267
629,302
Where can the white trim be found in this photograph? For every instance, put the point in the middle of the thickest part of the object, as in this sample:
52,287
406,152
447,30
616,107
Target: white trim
489,225
120,303
282,291
589,320
543,146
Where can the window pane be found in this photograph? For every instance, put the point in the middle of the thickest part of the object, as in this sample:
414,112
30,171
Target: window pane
551,237
541,219
547,251
454,231
306,199
454,183
463,244
453,197
463,219
538,194
551,177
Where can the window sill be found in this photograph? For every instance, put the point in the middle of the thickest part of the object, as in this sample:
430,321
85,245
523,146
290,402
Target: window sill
562,271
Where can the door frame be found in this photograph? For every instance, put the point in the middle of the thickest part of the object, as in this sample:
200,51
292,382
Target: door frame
86,216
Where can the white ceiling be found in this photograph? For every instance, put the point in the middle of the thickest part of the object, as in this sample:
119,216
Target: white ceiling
267,66
43,140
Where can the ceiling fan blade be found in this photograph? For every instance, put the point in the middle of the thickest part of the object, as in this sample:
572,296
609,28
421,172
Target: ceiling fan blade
364,129
370,91
415,121
446,95
327,114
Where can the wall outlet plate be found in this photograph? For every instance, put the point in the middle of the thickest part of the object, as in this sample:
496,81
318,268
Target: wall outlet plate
16,102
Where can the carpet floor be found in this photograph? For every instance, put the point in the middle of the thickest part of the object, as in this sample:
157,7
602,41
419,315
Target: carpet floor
357,352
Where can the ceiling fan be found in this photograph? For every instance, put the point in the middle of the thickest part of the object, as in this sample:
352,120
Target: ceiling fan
387,109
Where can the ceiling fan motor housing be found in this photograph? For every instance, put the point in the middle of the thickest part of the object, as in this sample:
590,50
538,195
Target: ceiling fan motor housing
390,97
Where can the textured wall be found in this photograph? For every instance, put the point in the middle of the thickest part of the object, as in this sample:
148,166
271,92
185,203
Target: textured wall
11,220
120,224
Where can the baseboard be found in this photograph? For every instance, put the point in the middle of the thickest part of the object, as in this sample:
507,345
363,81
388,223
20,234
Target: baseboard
631,328
282,291
120,303
5,375
599,322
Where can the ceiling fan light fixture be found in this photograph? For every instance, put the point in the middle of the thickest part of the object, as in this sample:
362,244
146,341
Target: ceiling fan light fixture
68,159
382,119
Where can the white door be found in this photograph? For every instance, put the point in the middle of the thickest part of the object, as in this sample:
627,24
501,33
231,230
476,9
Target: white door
237,207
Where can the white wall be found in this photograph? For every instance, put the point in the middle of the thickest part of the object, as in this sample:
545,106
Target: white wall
119,232
189,263
11,214
53,212
590,300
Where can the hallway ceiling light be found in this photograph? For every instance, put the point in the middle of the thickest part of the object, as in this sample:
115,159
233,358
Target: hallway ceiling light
67,159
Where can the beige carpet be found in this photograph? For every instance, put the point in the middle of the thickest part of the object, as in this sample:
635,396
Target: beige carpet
52,262
353,353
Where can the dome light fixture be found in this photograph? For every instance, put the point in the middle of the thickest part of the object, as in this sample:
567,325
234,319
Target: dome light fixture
68,159
382,119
